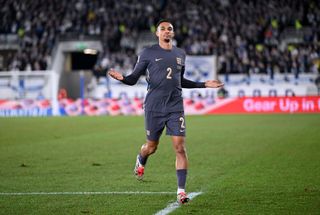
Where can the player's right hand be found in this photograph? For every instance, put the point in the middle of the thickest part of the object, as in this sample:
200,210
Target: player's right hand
116,75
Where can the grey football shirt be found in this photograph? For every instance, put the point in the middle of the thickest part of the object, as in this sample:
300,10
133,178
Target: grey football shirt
164,71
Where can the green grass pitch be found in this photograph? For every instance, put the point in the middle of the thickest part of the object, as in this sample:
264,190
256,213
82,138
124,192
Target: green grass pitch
243,164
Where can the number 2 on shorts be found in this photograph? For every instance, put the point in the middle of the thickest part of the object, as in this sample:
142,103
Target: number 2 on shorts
182,123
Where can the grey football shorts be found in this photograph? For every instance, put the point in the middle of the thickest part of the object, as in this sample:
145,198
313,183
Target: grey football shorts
155,122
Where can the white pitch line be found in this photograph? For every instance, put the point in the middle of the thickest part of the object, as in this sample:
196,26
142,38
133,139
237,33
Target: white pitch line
85,193
171,207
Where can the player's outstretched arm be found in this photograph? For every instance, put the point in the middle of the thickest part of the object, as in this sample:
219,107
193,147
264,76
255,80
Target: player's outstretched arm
116,75
213,84
128,80
133,78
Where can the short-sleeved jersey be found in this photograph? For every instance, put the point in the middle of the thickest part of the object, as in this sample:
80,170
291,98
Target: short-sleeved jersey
164,71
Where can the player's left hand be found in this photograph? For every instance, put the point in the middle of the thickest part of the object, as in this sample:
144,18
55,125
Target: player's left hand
213,84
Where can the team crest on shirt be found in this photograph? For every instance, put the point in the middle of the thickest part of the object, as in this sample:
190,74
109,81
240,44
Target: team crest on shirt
179,61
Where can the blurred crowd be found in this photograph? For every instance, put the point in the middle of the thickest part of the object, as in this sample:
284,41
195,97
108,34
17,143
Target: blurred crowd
247,35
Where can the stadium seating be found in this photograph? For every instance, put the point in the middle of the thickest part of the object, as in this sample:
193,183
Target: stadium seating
255,42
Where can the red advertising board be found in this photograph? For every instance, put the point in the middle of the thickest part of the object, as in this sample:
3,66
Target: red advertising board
196,106
310,104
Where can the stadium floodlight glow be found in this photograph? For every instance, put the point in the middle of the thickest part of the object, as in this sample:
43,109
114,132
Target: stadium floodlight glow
90,51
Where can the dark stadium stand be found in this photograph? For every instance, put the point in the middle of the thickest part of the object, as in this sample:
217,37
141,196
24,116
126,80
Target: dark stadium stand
274,36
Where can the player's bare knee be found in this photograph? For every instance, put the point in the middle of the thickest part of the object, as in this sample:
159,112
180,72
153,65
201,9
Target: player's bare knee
152,147
180,149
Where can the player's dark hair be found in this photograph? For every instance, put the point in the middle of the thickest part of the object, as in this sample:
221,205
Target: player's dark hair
161,21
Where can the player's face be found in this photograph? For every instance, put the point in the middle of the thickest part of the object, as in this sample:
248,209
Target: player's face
165,32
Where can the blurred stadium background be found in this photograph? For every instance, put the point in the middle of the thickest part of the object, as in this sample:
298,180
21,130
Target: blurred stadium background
54,55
